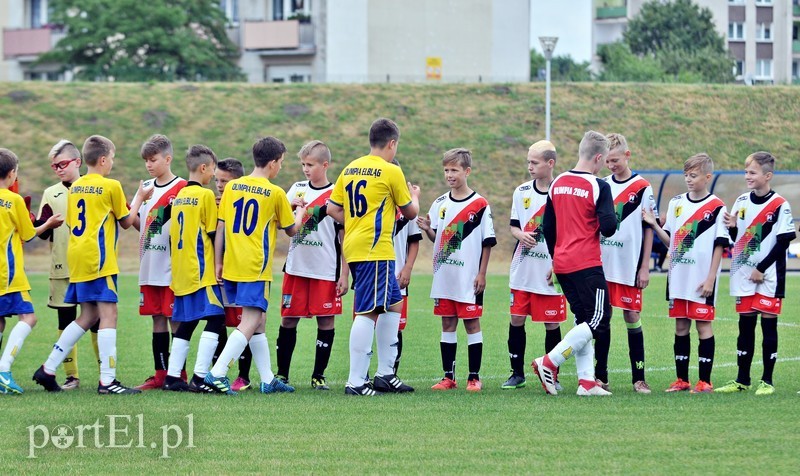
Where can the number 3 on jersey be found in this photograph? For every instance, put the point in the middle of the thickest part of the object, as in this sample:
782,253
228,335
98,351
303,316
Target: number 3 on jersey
78,230
246,216
358,202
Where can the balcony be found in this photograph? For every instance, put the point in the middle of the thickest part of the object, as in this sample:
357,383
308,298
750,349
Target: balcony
288,37
796,10
29,43
607,13
796,46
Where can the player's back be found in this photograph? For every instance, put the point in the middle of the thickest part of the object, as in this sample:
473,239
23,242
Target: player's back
253,209
192,253
15,227
369,189
94,206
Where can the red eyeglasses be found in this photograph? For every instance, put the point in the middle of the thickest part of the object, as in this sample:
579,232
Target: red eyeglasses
63,164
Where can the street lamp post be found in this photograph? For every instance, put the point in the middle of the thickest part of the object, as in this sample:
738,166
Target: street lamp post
548,45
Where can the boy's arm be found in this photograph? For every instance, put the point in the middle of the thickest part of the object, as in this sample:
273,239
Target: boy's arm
525,239
335,211
480,280
424,224
707,288
54,221
299,213
549,226
343,284
142,194
219,249
411,210
649,218
404,277
605,210
643,276
45,212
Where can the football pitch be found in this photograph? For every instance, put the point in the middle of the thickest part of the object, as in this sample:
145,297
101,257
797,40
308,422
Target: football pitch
495,431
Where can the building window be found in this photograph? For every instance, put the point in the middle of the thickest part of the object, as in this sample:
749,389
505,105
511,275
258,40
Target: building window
763,2
736,2
795,70
764,32
277,10
764,69
738,69
735,31
231,10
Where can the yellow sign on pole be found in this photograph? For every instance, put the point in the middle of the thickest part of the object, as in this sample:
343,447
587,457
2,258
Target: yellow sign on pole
433,67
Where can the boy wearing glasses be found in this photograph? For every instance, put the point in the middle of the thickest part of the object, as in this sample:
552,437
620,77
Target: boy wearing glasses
65,160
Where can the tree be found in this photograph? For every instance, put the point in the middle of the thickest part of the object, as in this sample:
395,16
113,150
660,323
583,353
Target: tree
563,68
134,40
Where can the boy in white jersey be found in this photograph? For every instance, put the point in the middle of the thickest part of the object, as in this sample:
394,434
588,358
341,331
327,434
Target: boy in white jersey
626,259
153,220
460,225
696,233
315,277
761,228
530,278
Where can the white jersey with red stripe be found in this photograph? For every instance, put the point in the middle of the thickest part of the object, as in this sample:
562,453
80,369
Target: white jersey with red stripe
463,227
622,253
759,223
314,251
530,266
405,232
696,227
155,217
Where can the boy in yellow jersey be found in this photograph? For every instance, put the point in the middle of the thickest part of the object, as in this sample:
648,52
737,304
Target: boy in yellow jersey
15,298
95,207
250,212
197,295
365,199
65,160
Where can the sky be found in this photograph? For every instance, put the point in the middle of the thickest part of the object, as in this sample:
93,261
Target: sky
569,20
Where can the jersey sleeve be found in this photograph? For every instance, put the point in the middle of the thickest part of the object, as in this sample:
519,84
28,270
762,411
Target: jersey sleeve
605,210
283,211
514,218
23,218
650,201
669,224
337,196
209,213
785,220
399,187
433,213
487,228
723,238
118,206
414,233
45,201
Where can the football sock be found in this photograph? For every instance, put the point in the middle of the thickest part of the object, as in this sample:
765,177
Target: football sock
107,342
177,356
63,346
386,339
65,316
449,345
260,348
284,348
516,348
323,354
745,346
682,349
584,362
576,338
223,339
769,347
245,361
361,335
71,361
233,349
15,340
1,339
160,350
602,345
551,338
205,352
399,351
474,354
95,345
705,356
635,350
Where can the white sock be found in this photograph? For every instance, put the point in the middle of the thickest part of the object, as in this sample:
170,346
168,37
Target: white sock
230,354
584,361
177,356
205,353
476,338
14,344
107,344
386,335
360,350
575,339
260,349
69,337
449,337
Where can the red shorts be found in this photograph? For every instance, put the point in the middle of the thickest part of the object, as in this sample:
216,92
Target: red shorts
758,303
541,307
625,297
404,313
155,300
306,297
461,310
690,310
233,316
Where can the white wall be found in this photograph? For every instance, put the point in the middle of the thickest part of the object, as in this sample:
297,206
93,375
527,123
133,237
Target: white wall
510,53
346,41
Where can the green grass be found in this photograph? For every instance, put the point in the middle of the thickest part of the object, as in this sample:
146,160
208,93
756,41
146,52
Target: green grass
497,431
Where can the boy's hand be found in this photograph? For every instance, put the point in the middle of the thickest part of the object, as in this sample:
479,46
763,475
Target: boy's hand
217,199
298,202
757,276
144,193
480,283
403,278
342,285
649,217
218,272
424,224
54,221
414,189
550,277
707,288
527,240
643,278
729,220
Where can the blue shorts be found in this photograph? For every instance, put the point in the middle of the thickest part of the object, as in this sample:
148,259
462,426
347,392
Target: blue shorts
255,294
202,303
376,286
98,290
14,304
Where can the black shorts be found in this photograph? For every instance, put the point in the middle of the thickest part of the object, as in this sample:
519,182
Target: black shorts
587,293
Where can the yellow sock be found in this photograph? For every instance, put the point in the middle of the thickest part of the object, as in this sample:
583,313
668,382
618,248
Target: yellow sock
71,361
96,349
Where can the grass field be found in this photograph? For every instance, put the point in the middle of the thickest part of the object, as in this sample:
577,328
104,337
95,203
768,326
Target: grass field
496,431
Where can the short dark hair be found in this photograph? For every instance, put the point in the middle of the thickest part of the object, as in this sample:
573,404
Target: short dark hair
156,144
232,166
382,131
266,150
95,147
198,155
8,162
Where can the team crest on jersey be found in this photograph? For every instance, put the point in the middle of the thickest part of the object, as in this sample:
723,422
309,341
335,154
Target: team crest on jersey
708,216
471,217
526,202
741,213
632,197
442,213
299,194
678,211
770,217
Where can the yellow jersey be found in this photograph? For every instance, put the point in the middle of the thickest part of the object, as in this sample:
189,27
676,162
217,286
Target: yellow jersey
15,227
194,211
94,206
252,209
55,197
370,189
